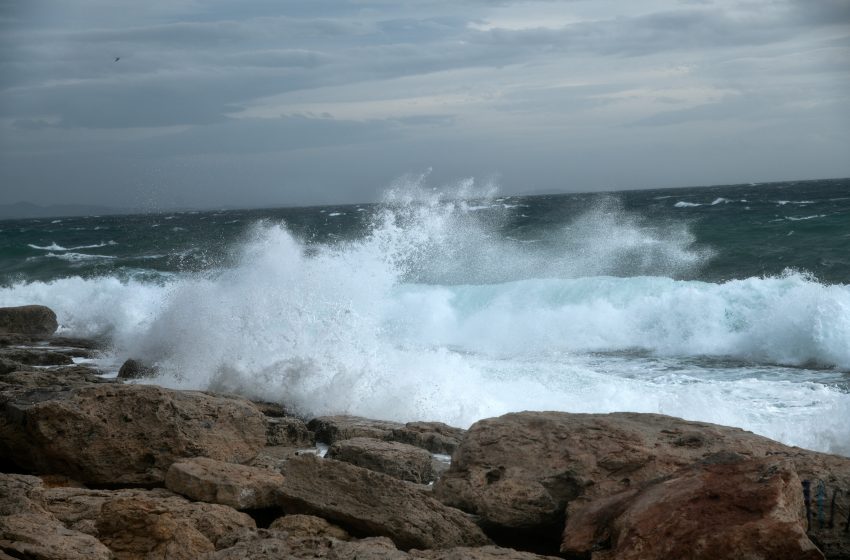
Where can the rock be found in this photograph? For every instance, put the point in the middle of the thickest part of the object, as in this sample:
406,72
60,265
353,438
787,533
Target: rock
308,526
272,409
482,553
288,431
28,319
217,482
140,529
36,357
389,457
123,434
521,472
28,530
330,429
277,545
436,437
371,503
8,366
723,508
135,369
80,509
274,457
40,537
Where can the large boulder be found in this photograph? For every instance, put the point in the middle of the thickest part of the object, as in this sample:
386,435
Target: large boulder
136,369
524,473
399,460
288,431
371,503
123,434
217,482
723,508
28,319
330,429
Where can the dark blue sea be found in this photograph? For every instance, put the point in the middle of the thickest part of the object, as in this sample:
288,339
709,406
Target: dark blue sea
725,304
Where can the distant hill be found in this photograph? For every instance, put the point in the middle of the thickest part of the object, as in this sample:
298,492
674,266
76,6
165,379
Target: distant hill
23,210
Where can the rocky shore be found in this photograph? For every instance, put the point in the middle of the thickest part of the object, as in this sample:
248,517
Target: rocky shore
99,468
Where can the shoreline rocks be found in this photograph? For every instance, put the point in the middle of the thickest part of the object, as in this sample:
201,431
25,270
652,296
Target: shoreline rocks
187,474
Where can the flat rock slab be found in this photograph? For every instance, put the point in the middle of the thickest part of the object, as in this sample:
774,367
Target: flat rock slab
36,356
724,508
217,482
374,504
398,460
123,434
330,429
28,319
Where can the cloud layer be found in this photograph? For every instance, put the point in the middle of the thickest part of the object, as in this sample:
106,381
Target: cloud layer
262,102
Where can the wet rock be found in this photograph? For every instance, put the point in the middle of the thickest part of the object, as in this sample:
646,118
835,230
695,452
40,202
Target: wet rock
135,369
217,482
8,366
436,437
288,431
725,507
123,434
523,472
330,429
28,319
399,460
371,503
36,357
308,526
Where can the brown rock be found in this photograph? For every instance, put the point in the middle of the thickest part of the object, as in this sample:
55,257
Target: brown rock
217,482
288,431
80,509
436,437
28,530
136,529
389,457
28,319
372,503
482,553
330,429
277,545
308,526
135,369
723,508
521,471
123,434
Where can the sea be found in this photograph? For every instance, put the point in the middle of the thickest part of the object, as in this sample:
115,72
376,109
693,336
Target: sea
725,304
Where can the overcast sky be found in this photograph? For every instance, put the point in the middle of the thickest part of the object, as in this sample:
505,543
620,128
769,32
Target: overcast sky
273,102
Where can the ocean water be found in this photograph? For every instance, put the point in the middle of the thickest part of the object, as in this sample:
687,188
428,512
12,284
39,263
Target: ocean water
723,304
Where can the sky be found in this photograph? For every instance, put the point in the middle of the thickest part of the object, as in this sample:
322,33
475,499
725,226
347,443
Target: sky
195,103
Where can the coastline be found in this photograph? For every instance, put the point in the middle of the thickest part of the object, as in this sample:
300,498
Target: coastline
108,468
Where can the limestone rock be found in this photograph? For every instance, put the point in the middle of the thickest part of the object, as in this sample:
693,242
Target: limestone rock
80,509
28,319
330,429
289,431
308,526
123,434
436,437
522,472
217,482
41,537
372,503
723,508
389,457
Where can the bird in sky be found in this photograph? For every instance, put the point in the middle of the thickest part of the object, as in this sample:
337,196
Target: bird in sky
117,58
